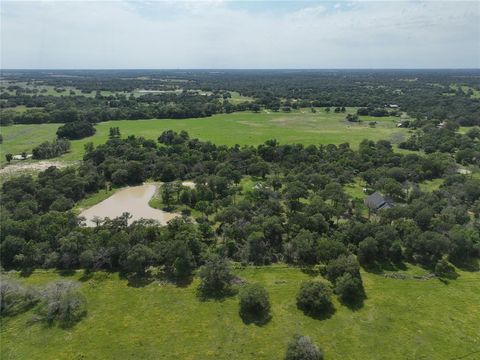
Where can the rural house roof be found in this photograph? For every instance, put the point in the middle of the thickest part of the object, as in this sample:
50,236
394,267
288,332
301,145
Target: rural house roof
376,201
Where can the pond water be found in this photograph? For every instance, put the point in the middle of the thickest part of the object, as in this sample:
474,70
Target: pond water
133,200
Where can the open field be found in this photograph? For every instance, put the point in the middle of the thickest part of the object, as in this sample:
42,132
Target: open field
416,319
19,138
227,129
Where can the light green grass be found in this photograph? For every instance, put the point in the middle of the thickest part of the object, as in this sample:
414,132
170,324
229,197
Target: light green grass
244,128
431,185
236,98
401,319
19,138
465,88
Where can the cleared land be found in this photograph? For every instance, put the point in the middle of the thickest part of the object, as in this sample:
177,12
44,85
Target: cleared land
244,128
417,319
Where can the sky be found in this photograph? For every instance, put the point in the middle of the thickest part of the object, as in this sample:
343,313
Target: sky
216,34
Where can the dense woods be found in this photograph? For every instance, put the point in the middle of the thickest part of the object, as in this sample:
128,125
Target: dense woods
297,212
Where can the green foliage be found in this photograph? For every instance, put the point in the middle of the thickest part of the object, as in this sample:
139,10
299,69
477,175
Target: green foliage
76,130
343,264
49,150
254,303
349,288
444,269
215,277
314,298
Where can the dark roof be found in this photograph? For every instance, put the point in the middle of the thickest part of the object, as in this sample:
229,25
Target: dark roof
376,202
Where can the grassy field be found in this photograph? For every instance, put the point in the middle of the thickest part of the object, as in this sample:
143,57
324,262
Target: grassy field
226,129
400,319
19,138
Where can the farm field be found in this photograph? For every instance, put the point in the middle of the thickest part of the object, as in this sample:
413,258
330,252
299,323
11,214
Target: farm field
244,128
416,320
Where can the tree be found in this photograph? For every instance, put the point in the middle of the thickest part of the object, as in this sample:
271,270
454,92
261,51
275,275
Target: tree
8,157
114,132
62,301
444,269
76,130
349,288
367,250
139,258
314,298
301,249
303,348
215,277
254,302
343,264
14,297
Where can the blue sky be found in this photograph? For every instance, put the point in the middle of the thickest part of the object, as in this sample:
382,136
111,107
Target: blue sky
240,34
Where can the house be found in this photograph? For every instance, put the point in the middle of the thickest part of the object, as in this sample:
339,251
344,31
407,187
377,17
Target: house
393,106
377,201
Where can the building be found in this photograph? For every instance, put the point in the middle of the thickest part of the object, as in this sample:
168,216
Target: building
377,201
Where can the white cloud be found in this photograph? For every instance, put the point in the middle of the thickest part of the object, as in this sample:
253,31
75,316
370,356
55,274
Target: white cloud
119,34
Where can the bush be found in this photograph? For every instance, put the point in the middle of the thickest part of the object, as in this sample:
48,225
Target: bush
63,302
15,298
76,130
303,348
215,277
48,150
254,302
314,298
444,269
343,264
349,288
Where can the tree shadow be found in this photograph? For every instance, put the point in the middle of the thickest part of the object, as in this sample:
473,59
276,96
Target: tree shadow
325,314
136,280
256,319
218,296
379,268
355,303
87,275
26,272
469,264
66,272
182,282
309,270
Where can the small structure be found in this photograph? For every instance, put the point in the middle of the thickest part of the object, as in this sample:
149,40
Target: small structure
377,201
393,106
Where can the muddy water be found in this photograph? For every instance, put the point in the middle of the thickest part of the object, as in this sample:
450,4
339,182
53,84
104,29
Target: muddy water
133,200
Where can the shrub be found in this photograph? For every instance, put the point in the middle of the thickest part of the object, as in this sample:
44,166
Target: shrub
254,302
303,348
343,264
349,288
215,277
15,298
63,302
48,150
314,298
444,269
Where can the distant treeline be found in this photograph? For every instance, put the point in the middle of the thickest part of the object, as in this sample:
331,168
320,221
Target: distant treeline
424,95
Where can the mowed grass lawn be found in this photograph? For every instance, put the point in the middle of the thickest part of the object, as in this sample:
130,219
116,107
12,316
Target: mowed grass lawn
243,128
401,319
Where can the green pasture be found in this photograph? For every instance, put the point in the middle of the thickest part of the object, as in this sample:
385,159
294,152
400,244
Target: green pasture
244,128
400,319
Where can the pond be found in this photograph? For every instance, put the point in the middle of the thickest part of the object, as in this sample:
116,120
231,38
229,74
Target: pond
133,200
